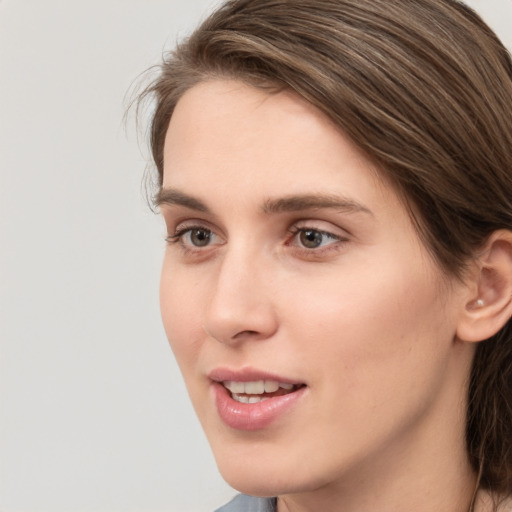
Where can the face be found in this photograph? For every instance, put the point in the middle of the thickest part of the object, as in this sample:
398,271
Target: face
314,333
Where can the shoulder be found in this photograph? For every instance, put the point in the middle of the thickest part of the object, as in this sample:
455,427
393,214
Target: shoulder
244,503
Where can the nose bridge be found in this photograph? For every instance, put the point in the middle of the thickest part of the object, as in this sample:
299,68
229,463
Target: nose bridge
241,303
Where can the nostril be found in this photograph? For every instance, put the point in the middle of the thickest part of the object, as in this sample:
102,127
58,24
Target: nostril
244,334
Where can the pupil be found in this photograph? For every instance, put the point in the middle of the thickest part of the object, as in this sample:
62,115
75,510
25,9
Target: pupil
200,237
311,239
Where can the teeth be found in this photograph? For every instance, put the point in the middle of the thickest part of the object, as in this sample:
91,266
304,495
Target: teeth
271,386
257,387
249,399
235,387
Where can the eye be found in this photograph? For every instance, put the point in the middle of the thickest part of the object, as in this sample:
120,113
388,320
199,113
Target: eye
310,238
194,237
198,237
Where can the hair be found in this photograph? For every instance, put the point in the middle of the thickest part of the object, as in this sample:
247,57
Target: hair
424,88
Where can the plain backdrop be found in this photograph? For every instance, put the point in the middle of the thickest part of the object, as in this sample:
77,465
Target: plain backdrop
93,414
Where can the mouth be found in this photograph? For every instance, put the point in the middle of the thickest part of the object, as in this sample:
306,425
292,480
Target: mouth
250,400
252,392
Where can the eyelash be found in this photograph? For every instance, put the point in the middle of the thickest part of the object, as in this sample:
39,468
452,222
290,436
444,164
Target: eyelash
294,231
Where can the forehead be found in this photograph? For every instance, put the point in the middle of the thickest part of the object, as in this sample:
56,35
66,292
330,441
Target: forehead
229,126
242,116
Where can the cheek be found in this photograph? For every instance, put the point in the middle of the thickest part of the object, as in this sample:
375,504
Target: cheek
373,332
371,303
179,302
375,354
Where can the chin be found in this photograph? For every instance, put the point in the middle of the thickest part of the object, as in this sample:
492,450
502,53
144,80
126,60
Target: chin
264,486
252,476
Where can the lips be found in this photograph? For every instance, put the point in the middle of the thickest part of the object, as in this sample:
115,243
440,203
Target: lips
251,400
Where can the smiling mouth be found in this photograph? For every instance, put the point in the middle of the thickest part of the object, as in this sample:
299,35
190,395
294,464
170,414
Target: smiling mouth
252,392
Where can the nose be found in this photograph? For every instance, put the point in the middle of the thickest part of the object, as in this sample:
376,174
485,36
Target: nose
241,305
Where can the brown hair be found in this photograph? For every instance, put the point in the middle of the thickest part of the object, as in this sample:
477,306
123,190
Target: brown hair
424,87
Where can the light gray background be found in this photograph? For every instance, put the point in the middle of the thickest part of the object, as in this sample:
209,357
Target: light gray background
93,413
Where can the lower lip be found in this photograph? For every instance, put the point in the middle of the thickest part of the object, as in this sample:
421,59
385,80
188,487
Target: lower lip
260,415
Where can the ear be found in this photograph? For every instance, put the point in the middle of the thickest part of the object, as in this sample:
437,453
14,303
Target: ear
489,304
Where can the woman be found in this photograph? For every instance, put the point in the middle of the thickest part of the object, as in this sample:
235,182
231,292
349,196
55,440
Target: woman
336,181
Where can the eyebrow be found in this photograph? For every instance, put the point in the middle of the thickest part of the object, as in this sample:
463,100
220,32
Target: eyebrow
291,203
294,203
174,197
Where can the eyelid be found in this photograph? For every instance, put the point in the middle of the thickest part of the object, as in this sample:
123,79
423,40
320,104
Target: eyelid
321,226
178,225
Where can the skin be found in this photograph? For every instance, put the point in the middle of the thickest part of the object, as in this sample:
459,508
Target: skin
366,320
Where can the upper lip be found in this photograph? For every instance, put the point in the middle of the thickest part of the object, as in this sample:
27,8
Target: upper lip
248,374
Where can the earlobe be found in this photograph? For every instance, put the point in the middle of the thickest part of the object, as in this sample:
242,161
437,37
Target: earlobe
490,307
